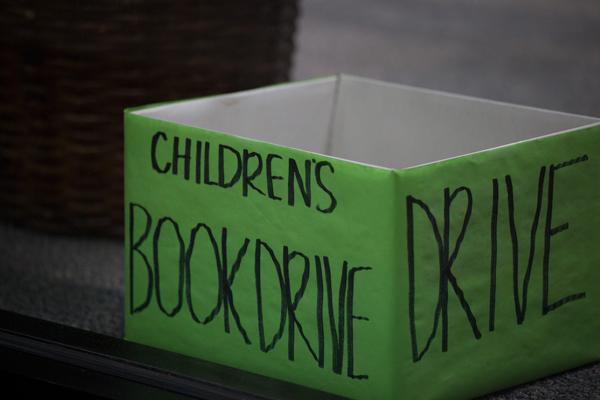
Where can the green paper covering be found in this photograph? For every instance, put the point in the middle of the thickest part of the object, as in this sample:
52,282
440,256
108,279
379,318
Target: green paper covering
445,280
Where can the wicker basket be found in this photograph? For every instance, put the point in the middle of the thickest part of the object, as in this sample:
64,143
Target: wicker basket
69,68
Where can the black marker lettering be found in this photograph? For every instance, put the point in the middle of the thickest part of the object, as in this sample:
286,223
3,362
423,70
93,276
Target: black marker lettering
134,246
181,266
303,184
247,177
350,317
319,313
292,301
521,309
318,177
337,333
494,254
167,166
548,233
446,260
227,282
238,166
207,180
185,156
270,177
198,161
283,313
188,273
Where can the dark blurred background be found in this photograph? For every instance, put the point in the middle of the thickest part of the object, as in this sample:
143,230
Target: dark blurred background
543,53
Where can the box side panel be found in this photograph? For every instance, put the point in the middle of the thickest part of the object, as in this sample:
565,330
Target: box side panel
260,257
500,257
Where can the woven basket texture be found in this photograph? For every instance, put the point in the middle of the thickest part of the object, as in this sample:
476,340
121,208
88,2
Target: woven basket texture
69,68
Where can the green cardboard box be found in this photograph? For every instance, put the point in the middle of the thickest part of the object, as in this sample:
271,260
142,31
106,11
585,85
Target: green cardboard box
368,239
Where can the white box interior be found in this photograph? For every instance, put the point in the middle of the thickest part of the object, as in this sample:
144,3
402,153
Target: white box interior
368,121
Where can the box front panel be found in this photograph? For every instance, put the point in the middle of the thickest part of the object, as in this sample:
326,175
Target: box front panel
264,258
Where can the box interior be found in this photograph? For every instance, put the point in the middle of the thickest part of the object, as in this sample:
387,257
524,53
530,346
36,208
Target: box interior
368,121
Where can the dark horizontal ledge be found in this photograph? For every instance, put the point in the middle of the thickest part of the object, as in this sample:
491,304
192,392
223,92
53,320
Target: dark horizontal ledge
114,368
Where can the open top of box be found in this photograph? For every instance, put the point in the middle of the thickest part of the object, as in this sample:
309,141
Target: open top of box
368,121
